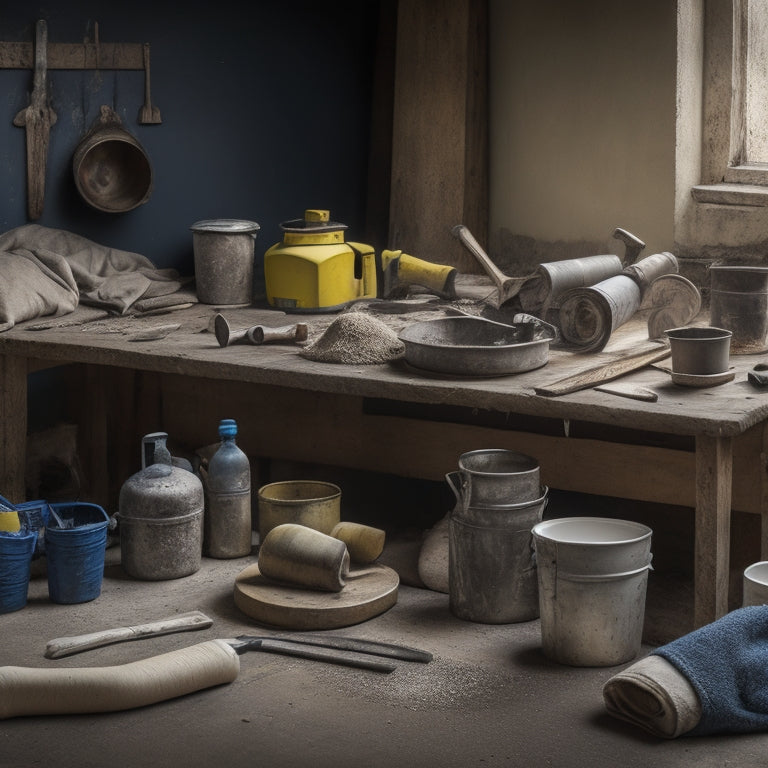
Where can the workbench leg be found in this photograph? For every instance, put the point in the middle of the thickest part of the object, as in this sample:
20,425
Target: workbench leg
94,442
13,427
714,471
764,496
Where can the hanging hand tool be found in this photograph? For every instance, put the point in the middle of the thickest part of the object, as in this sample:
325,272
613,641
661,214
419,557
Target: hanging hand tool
148,114
37,119
34,691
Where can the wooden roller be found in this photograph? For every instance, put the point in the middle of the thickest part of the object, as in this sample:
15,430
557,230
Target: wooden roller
301,556
364,543
65,691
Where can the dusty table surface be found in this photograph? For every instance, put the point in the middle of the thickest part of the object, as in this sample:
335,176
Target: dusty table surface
87,336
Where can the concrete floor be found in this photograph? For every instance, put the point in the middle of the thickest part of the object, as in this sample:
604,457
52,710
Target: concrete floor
489,697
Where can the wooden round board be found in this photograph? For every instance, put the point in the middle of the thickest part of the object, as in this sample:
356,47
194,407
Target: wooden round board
364,596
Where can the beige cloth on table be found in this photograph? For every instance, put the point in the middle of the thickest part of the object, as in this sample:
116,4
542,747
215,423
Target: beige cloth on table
45,271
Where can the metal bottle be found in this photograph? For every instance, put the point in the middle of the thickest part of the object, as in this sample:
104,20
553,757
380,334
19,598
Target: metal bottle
228,514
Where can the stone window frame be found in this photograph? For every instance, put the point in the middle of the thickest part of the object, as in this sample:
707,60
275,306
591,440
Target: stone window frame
725,179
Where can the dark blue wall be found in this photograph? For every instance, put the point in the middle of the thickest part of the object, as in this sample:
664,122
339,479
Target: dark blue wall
265,112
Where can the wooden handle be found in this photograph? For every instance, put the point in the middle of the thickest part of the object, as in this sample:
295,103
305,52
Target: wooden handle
61,691
470,243
65,646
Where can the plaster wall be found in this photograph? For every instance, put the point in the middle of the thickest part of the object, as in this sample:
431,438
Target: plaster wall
582,127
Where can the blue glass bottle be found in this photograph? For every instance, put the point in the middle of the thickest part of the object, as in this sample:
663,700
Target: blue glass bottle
228,513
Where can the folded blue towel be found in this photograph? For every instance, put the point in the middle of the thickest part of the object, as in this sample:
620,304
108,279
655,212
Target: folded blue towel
727,664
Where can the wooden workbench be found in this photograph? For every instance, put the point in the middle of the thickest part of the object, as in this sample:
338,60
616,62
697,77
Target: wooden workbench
699,448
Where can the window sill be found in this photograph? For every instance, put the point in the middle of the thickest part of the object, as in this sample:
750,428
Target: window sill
731,194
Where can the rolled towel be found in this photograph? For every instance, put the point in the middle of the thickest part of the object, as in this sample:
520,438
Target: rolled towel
654,695
726,666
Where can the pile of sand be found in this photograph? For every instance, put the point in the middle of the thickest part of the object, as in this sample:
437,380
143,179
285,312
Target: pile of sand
356,338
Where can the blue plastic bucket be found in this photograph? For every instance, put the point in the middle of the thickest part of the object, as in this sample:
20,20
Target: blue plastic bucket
75,554
16,549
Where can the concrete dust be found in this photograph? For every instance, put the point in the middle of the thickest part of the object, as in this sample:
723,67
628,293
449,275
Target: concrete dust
356,338
441,684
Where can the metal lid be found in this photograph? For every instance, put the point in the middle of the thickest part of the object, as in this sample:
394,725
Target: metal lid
231,226
160,491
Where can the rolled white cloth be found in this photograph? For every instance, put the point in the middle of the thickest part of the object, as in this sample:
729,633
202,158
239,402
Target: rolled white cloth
654,695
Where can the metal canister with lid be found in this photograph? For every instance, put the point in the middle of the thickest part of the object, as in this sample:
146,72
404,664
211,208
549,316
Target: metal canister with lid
224,255
161,520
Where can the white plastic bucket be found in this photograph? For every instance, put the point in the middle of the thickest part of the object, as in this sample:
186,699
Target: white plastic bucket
756,584
592,577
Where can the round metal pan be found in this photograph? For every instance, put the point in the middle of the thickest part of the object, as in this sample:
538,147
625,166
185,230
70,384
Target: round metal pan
468,346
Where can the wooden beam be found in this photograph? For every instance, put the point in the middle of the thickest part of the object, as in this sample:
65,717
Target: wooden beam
13,426
713,527
440,136
74,56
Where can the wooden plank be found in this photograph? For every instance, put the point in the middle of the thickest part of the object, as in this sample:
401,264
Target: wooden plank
749,492
13,426
620,366
93,442
763,472
14,55
712,528
439,166
321,428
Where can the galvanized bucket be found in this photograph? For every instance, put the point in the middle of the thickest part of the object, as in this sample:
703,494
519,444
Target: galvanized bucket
739,303
491,563
592,576
493,477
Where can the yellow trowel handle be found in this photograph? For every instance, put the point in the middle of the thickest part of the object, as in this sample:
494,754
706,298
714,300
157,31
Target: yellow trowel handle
401,269
63,691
